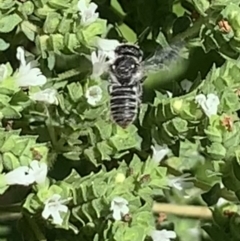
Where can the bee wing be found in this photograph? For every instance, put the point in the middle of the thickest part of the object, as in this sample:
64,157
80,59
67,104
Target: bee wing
161,58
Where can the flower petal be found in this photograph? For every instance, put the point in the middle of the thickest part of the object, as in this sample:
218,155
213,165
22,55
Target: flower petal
208,103
200,99
57,219
28,74
63,208
124,210
53,207
119,206
93,7
20,176
56,197
93,95
163,235
171,234
87,12
94,57
120,200
3,72
46,212
106,44
159,152
117,215
39,171
21,55
47,96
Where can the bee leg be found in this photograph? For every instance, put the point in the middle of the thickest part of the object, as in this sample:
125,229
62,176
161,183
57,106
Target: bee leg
109,88
140,94
143,79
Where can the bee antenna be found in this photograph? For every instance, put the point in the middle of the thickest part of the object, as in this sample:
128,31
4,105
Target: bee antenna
120,32
142,34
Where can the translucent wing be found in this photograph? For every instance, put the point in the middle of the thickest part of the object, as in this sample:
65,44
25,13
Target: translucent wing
162,58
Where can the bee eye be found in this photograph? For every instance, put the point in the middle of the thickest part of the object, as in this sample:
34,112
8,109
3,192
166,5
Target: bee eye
133,66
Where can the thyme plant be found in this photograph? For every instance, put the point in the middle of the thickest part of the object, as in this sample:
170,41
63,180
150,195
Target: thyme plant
68,172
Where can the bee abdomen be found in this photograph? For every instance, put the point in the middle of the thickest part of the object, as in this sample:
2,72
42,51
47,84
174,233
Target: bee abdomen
124,105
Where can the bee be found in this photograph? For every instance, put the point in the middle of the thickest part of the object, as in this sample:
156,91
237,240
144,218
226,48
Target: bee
127,73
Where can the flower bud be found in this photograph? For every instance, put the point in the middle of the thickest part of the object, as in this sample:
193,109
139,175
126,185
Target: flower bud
120,177
177,105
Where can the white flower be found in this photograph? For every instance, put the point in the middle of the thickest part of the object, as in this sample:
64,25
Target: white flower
53,207
120,208
47,96
221,201
169,94
191,192
39,171
163,235
20,176
107,46
24,175
3,72
87,11
99,63
28,74
180,182
186,85
93,95
208,103
159,152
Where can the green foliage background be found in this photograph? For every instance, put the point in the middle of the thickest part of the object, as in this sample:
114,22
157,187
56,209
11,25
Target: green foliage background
85,151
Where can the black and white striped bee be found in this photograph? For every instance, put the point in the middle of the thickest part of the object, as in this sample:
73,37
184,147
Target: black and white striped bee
127,73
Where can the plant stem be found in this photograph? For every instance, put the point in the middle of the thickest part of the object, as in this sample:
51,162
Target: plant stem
50,128
183,210
9,216
67,74
117,10
191,31
35,229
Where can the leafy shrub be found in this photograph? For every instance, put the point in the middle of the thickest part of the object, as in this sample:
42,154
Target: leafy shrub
68,172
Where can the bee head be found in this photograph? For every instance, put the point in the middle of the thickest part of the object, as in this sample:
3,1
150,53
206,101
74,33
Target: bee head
124,68
129,49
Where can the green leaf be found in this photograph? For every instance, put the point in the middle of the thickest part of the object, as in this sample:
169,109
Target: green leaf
28,30
75,91
7,4
144,219
27,8
3,184
215,232
217,151
105,130
9,22
10,112
51,23
3,45
213,134
65,26
10,161
105,150
86,35
230,101
59,4
135,233
51,60
211,197
180,125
